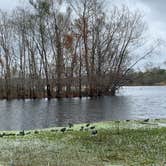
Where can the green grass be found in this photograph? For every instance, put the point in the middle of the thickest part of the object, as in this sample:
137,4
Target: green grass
134,143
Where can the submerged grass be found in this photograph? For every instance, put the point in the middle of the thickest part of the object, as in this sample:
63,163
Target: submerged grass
128,145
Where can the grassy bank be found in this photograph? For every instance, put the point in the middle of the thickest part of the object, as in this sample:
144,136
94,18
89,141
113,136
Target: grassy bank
116,143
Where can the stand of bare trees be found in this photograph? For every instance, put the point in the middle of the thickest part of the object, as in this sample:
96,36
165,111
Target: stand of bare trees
66,49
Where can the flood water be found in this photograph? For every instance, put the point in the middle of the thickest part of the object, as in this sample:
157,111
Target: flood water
130,103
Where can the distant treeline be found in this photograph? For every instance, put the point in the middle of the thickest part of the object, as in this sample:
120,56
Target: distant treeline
154,76
68,48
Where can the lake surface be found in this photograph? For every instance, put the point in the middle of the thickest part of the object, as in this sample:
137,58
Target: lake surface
130,103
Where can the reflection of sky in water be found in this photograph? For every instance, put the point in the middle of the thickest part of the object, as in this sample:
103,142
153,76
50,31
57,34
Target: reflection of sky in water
130,103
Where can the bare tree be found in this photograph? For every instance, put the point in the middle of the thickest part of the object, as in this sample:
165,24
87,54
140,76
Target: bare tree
68,48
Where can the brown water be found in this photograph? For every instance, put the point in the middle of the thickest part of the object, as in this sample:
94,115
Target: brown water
130,103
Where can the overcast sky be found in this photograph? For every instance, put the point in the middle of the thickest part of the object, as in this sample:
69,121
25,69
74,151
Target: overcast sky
154,13
8,4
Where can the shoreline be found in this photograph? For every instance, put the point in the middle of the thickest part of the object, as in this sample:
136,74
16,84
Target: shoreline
77,96
123,124
108,143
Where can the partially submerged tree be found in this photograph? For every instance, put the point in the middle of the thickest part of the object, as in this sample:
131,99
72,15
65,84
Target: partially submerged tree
66,49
